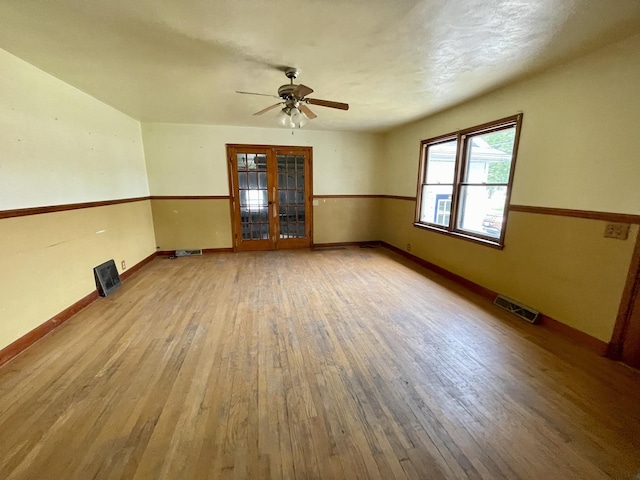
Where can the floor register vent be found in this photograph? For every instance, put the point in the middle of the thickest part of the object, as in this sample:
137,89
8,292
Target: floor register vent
524,312
188,253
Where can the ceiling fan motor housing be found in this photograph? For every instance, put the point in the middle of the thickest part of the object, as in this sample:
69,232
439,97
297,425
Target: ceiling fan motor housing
286,91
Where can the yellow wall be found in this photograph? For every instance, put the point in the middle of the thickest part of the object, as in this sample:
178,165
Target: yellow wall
47,262
185,160
338,220
192,224
60,146
561,266
206,223
578,150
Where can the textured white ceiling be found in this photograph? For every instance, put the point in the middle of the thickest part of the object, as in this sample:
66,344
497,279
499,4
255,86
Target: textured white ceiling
392,60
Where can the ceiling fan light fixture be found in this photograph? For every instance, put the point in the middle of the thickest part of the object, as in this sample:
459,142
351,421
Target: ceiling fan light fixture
303,120
298,118
284,117
292,117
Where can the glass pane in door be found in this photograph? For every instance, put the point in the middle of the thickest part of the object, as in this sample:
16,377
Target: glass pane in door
252,187
291,195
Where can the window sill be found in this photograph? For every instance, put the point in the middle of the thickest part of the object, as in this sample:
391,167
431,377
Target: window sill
482,241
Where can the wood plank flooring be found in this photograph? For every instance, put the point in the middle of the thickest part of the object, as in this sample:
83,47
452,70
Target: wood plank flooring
336,364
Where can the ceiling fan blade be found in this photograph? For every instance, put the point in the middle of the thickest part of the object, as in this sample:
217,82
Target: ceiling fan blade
264,110
261,94
302,91
327,103
307,111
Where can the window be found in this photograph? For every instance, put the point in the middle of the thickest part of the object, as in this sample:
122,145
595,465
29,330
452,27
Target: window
465,181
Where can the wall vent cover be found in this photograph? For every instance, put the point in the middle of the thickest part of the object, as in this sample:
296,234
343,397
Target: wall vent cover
188,253
524,312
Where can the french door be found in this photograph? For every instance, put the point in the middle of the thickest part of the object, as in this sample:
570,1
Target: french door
270,196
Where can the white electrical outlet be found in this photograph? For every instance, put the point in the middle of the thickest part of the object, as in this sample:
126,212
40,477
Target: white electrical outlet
123,265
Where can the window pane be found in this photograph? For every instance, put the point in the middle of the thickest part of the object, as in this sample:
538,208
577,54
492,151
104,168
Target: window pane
482,209
436,204
253,180
251,161
264,231
489,157
262,180
255,199
242,161
441,162
242,179
261,163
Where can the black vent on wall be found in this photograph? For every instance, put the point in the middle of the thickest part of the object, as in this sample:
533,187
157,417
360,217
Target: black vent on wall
107,278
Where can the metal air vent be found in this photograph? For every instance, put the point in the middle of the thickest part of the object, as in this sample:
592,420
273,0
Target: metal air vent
524,312
188,253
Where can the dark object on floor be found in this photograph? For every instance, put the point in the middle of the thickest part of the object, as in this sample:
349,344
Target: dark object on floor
107,278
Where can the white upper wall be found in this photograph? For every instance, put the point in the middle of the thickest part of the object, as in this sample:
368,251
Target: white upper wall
60,145
191,159
580,140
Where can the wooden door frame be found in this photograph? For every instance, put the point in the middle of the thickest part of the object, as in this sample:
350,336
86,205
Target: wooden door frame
308,153
262,244
273,149
629,294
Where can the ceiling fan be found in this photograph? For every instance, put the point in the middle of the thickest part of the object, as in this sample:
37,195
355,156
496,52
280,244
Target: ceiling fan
295,112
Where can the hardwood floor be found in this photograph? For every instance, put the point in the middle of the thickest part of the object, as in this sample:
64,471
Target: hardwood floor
311,364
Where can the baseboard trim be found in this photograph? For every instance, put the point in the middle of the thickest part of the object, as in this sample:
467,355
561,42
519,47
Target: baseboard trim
474,287
136,268
168,253
328,245
21,344
217,250
594,344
